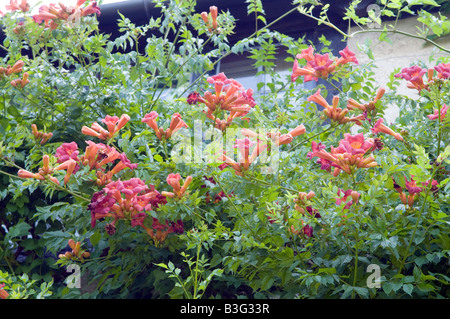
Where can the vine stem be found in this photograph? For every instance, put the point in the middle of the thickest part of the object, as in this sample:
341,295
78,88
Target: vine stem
351,35
402,33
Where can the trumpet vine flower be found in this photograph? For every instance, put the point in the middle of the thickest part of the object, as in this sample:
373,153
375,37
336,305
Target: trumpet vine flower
334,112
435,115
178,189
176,124
379,127
113,123
320,65
349,155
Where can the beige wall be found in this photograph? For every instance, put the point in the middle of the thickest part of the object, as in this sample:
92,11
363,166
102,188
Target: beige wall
401,53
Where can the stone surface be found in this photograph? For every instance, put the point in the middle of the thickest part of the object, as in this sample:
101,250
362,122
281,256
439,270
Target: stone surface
403,52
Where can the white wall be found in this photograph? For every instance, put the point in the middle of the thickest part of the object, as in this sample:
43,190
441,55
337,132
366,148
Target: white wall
401,53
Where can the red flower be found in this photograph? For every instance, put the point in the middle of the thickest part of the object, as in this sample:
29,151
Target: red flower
100,206
124,162
435,115
443,70
412,187
15,5
3,293
308,231
175,124
113,123
193,98
349,155
379,127
348,193
334,112
211,19
178,190
319,65
346,56
414,76
90,9
229,96
67,151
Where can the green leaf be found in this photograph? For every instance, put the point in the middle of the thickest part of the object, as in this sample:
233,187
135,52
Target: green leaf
13,111
19,230
408,288
95,238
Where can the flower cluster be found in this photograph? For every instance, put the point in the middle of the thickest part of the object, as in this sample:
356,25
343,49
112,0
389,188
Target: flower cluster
96,156
302,204
16,68
44,173
263,142
366,107
414,75
246,159
113,123
14,5
210,19
129,200
120,200
413,190
229,96
76,254
178,190
320,65
175,124
334,112
53,14
40,137
159,231
348,156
